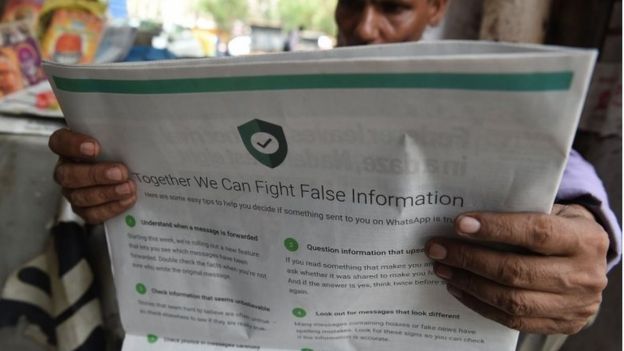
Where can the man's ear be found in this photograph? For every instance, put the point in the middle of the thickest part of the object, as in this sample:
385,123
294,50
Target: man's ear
437,10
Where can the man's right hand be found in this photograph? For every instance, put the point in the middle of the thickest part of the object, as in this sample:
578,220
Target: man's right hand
96,190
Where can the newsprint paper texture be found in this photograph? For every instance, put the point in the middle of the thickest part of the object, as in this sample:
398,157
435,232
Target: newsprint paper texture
284,200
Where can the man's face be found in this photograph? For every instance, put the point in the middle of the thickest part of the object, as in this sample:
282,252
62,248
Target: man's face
362,22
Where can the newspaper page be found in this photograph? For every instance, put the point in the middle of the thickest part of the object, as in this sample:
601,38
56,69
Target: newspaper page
285,200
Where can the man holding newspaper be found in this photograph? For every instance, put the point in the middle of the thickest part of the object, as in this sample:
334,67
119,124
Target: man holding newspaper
553,286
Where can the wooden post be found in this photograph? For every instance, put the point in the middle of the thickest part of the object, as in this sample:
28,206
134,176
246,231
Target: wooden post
515,20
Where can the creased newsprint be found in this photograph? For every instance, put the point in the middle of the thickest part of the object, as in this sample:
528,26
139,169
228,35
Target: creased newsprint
284,200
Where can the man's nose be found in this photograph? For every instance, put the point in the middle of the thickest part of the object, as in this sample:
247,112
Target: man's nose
367,30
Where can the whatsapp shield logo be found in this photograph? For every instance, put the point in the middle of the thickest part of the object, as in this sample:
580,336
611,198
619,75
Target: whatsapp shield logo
265,141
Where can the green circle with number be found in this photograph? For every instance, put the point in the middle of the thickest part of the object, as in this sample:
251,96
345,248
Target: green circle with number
291,244
299,312
151,338
140,288
130,221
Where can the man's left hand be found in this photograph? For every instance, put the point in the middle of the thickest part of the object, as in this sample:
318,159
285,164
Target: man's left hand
553,286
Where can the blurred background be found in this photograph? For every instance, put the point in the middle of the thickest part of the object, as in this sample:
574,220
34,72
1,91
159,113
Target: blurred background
90,31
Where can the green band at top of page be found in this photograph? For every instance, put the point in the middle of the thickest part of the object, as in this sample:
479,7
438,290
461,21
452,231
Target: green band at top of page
539,81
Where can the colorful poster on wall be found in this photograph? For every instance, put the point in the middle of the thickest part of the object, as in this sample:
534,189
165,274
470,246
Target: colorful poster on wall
20,59
21,9
72,36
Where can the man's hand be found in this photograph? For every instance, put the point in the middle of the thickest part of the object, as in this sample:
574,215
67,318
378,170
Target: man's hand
97,190
554,286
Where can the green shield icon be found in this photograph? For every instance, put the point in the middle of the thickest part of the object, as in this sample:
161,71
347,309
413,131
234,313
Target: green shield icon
265,141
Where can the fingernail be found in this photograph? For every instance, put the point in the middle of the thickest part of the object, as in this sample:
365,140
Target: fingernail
444,272
87,149
114,174
437,252
123,189
468,225
454,291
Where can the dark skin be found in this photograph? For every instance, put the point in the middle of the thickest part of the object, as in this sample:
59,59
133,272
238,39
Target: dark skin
554,286
362,22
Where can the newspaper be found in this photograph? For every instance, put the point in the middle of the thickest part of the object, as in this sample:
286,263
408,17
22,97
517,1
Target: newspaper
285,200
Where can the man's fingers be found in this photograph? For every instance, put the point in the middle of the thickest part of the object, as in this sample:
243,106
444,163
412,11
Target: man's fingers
540,233
98,195
506,268
524,324
97,191
517,302
82,175
68,144
99,214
